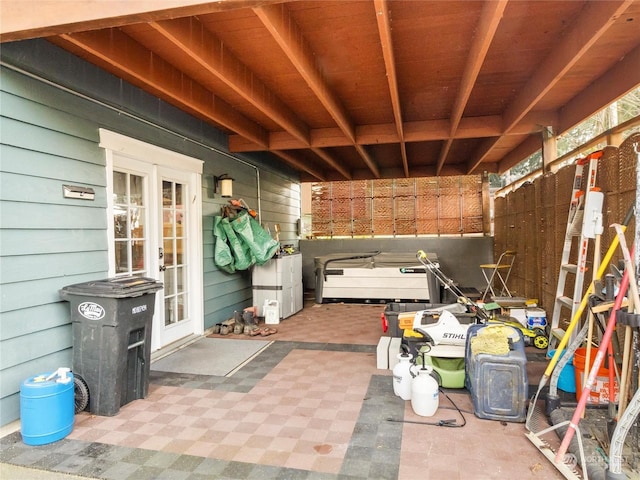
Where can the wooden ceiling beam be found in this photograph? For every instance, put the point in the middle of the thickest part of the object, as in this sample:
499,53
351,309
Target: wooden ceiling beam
136,63
528,147
596,18
593,22
620,79
490,17
24,19
300,165
422,131
386,42
332,162
208,51
279,23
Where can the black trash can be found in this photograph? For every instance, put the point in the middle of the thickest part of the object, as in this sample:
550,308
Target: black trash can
111,322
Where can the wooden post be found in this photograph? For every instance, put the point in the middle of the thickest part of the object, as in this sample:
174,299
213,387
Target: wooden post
549,148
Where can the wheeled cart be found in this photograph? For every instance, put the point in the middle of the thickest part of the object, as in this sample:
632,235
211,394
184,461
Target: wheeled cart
111,321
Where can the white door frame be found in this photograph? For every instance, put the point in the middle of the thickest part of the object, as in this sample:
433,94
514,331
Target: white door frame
131,154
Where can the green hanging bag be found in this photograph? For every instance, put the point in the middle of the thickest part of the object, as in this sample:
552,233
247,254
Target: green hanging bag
222,257
257,238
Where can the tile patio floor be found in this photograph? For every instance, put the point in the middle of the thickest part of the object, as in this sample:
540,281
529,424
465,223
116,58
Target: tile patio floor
312,405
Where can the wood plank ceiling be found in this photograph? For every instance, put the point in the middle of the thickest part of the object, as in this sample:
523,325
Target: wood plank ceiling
362,89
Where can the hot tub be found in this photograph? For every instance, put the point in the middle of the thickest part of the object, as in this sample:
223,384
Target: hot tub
375,276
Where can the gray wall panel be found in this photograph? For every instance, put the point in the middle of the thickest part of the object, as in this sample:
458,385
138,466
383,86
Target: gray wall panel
39,215
15,242
16,375
39,344
22,268
33,163
28,320
34,137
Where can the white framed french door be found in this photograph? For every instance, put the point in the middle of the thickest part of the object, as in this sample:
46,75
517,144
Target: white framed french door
174,188
155,230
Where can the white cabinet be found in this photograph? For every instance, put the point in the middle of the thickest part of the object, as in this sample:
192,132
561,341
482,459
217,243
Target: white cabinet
279,279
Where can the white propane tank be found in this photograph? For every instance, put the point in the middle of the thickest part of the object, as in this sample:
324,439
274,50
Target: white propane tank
424,392
402,377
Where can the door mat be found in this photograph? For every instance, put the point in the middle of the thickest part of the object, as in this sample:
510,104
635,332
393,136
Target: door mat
210,356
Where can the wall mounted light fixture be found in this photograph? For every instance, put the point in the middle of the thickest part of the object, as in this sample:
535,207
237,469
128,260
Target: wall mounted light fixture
223,185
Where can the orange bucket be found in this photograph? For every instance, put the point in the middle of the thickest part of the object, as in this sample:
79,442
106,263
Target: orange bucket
599,395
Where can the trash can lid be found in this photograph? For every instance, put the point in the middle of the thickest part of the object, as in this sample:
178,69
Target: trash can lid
116,287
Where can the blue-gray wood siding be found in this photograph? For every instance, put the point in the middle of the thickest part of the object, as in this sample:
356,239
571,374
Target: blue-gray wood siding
49,137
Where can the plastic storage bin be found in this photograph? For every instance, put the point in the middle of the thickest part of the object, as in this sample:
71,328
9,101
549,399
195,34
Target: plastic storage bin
47,407
111,324
599,394
498,383
450,371
567,377
536,318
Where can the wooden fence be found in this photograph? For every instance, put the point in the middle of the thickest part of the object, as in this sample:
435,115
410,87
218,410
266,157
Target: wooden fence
532,220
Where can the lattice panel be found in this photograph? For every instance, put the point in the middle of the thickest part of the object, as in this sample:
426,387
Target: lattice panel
341,189
362,228
361,189
472,224
427,208
405,227
383,226
361,208
341,228
383,188
431,205
405,208
427,186
321,209
450,226
427,226
321,229
472,207
320,191
449,205
340,210
472,183
449,183
404,187
383,208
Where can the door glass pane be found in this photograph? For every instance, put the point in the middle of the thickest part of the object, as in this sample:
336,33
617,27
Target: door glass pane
182,306
174,243
180,271
119,188
167,193
169,311
169,283
168,252
129,219
137,193
179,194
178,251
137,222
137,255
122,257
120,223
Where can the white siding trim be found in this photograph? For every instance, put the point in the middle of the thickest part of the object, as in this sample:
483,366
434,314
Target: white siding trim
131,147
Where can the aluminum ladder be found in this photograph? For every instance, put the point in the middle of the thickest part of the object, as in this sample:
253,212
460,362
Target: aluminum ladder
583,222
